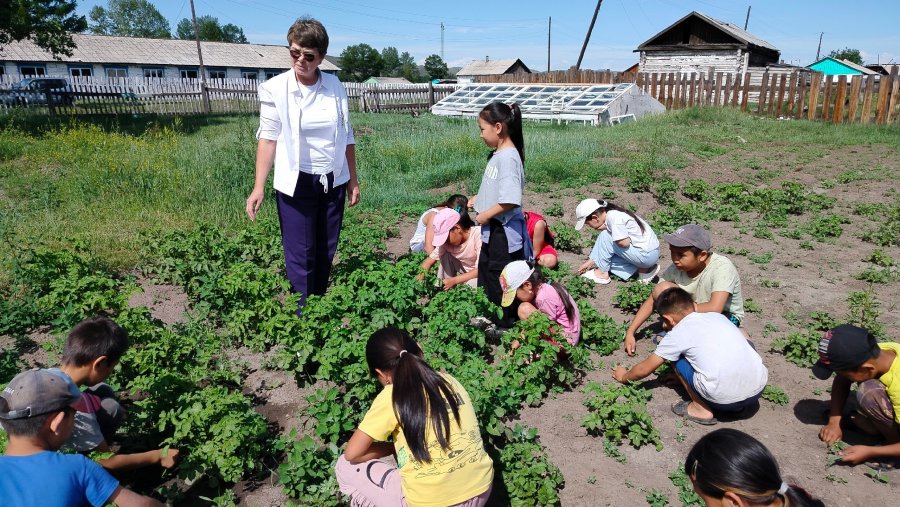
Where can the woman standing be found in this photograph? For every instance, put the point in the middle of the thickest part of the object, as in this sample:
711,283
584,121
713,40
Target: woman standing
304,129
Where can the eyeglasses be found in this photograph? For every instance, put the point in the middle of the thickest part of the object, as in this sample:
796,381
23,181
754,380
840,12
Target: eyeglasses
296,54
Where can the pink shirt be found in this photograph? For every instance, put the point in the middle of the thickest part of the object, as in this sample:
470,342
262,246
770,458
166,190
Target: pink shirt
548,301
456,260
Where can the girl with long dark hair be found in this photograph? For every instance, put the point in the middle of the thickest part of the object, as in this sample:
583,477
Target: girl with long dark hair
730,468
626,244
457,245
428,415
422,238
504,234
524,282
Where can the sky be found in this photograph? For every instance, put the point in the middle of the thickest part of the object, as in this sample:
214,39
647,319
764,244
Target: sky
499,29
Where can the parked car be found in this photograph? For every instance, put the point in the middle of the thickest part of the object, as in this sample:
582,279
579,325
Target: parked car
34,91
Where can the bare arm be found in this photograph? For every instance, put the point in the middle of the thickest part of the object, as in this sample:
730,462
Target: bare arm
453,281
624,242
265,157
353,185
639,371
716,303
643,313
122,462
840,390
429,232
362,448
540,230
484,216
124,497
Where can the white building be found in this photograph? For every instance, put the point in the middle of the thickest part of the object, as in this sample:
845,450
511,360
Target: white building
121,57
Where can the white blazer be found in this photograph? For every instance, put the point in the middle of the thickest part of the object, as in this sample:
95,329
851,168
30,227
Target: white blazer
279,99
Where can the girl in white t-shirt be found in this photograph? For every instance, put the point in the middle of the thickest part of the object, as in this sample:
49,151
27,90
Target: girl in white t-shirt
626,244
520,280
421,240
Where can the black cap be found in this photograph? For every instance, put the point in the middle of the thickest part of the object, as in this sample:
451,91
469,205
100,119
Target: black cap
844,348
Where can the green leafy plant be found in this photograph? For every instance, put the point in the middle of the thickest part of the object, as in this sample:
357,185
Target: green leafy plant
697,190
864,312
619,412
802,347
775,395
656,498
664,190
528,475
600,333
307,473
554,210
567,239
630,296
686,494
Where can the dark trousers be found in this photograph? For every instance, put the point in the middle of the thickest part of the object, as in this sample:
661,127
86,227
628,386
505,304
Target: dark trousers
495,255
310,226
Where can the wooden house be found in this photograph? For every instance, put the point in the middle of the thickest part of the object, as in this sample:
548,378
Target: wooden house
486,67
698,43
134,57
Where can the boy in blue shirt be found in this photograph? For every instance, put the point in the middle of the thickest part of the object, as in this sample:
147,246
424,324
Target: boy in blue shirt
36,412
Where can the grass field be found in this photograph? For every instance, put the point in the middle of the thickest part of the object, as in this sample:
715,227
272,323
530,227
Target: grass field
143,219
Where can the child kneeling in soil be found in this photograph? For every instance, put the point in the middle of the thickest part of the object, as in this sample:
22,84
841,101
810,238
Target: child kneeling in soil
422,238
37,412
542,242
855,356
457,245
436,440
715,363
525,283
710,278
93,349
626,244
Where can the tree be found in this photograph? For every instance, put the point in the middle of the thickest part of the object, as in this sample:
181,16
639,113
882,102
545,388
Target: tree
851,55
360,62
129,18
390,61
408,68
210,30
436,68
49,23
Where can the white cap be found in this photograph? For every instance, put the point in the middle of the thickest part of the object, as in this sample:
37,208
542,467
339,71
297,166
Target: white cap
513,276
584,209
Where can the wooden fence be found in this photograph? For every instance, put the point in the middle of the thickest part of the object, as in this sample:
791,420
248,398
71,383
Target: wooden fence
797,94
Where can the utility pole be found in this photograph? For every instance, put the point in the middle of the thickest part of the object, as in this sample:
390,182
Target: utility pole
442,41
587,36
819,49
549,22
747,21
204,92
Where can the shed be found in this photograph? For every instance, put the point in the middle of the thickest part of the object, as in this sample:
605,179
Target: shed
387,80
697,42
120,57
834,67
488,67
884,69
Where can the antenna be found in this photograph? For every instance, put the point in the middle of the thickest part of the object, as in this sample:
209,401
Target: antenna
549,22
819,50
747,21
442,41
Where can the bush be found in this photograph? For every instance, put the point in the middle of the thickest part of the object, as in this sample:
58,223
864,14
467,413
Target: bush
566,238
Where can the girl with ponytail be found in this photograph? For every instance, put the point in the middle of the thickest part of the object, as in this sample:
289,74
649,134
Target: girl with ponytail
434,435
524,282
504,234
731,468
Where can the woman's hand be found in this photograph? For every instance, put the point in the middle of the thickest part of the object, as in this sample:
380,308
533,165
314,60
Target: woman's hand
254,202
353,192
585,266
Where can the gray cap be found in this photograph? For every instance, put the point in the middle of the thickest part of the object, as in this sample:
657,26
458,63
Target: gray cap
689,235
36,392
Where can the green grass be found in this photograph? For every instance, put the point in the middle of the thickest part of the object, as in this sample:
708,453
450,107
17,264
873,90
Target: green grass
105,180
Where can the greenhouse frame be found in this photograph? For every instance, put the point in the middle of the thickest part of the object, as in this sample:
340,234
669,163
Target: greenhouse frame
596,104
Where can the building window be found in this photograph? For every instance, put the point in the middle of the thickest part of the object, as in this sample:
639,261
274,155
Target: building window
81,71
217,74
2,70
32,70
249,74
272,73
116,72
153,72
189,73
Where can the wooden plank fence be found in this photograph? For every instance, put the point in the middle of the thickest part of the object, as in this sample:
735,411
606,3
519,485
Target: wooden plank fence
798,94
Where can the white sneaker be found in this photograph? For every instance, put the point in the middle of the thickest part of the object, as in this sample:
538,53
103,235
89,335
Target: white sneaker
648,277
591,275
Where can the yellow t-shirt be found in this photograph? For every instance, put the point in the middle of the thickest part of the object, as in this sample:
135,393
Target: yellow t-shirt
455,475
891,379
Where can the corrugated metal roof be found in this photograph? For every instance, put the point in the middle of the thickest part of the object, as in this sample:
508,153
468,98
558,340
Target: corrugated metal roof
729,28
488,68
106,49
865,70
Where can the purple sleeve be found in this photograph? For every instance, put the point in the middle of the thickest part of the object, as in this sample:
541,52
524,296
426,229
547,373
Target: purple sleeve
98,485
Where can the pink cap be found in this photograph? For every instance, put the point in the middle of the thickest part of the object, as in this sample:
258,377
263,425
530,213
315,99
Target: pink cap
442,222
